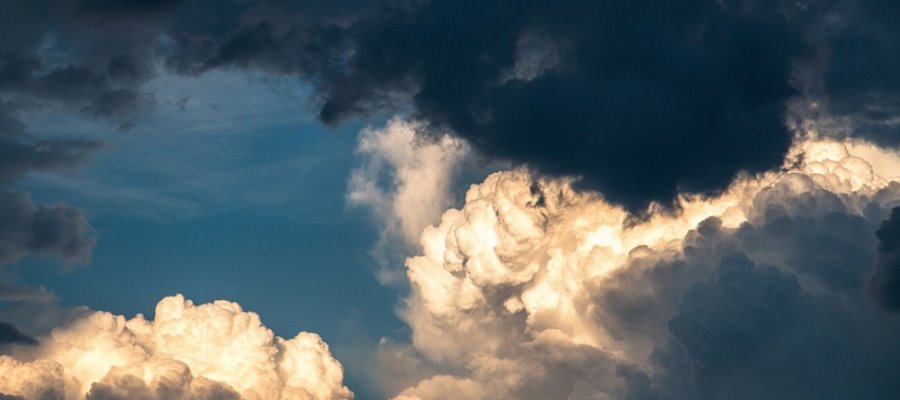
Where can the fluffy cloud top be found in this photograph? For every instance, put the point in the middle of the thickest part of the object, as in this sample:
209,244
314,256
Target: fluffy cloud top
535,290
208,351
405,181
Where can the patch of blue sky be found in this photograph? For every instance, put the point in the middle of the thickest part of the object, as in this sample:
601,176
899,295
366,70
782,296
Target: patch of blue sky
226,189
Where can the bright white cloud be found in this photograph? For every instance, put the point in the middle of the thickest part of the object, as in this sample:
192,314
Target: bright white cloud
207,351
405,181
536,290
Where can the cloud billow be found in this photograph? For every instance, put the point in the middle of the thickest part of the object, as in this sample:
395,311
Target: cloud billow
212,351
535,290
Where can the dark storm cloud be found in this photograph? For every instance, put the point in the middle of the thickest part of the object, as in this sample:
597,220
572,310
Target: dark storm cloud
884,286
93,57
10,335
771,309
861,79
125,7
643,100
55,229
48,57
752,331
21,153
59,53
597,90
812,234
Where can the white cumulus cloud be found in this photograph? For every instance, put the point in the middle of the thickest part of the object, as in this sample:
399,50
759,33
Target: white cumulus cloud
207,351
535,290
405,181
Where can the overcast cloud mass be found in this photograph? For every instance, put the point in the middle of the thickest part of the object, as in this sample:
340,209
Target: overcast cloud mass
698,199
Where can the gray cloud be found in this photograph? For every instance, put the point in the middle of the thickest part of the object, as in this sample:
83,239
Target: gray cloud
21,152
864,43
174,386
25,82
776,310
606,99
56,229
10,335
884,285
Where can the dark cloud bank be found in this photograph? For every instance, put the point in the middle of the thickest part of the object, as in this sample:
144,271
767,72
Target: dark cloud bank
885,284
774,309
641,99
10,335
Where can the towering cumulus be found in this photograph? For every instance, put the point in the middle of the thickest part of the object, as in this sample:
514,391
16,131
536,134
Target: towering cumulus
535,290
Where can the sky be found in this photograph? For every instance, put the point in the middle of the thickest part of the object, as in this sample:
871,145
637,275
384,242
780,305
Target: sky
430,199
241,195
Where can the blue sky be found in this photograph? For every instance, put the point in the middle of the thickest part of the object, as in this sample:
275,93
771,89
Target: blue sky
227,189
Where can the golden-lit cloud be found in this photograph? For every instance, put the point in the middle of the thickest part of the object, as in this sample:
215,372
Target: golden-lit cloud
404,181
188,351
533,289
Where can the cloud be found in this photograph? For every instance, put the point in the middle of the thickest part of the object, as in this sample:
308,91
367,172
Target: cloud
627,84
10,335
405,181
863,46
534,289
443,387
595,99
92,58
22,153
55,229
743,332
605,98
10,291
206,351
884,285
26,228
39,380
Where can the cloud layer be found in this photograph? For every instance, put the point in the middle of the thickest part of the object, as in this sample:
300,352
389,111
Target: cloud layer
592,90
566,88
536,290
208,351
56,229
863,43
885,283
